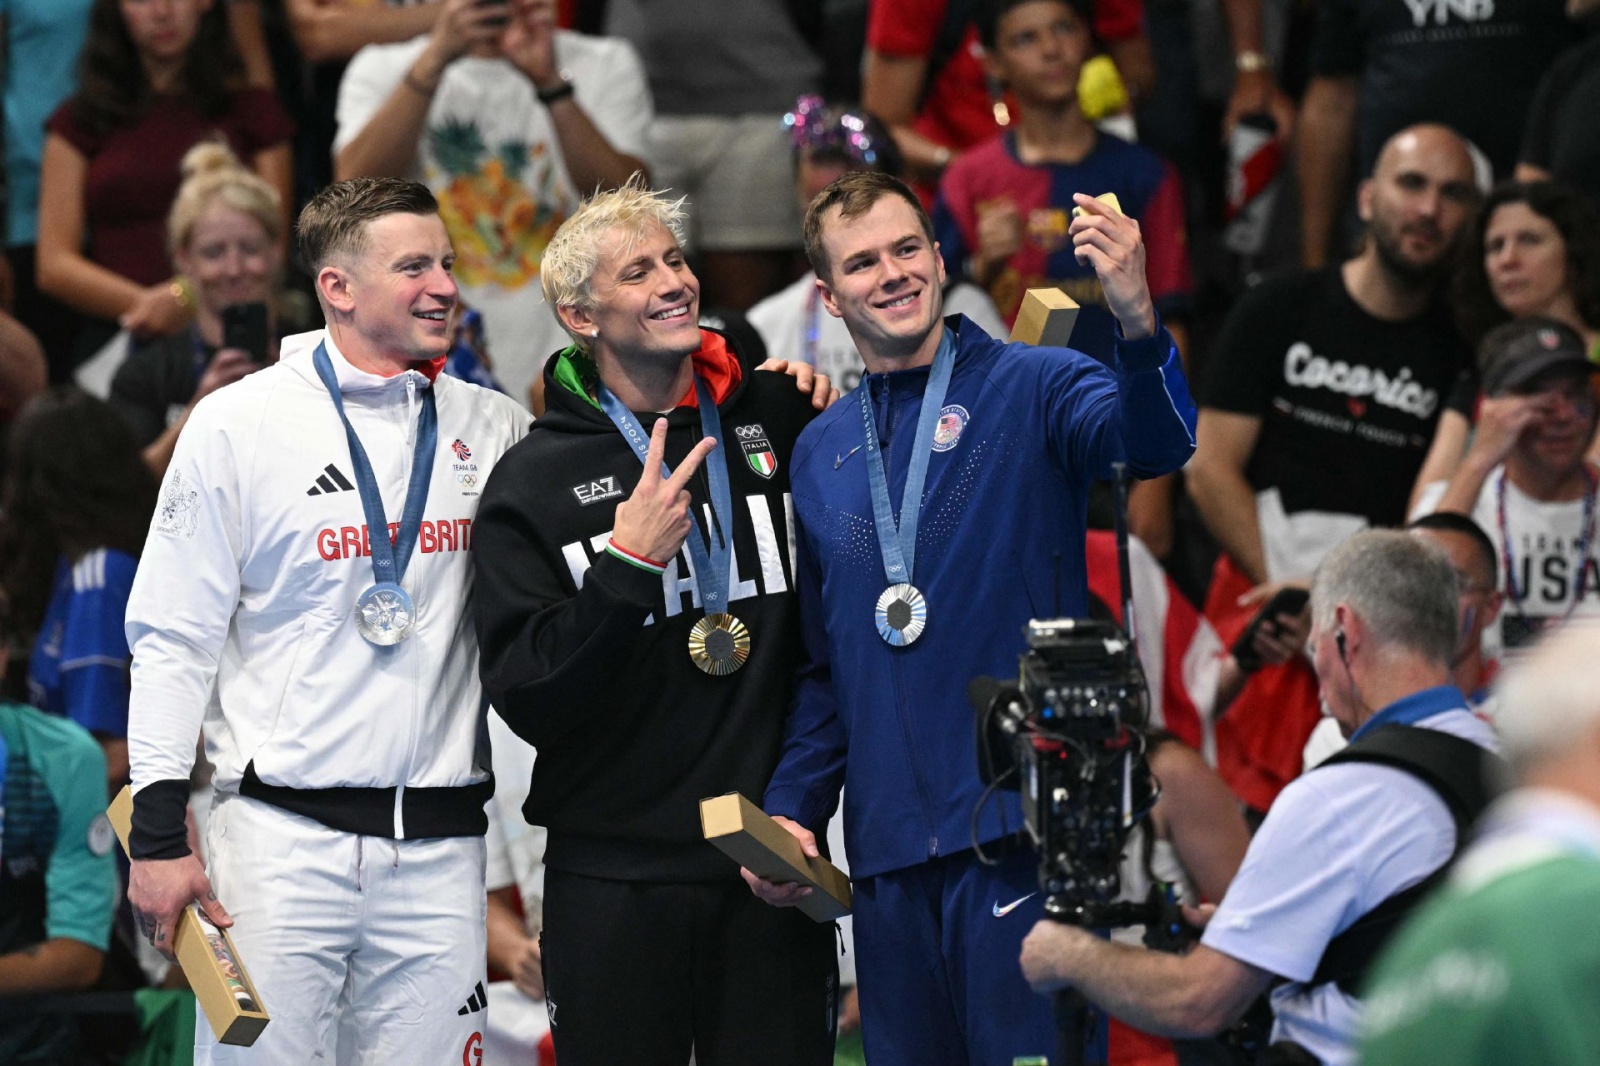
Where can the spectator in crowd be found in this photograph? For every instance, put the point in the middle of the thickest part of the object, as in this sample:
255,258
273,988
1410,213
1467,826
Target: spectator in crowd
1561,140
1004,206
1379,67
1477,567
1342,843
721,86
224,234
42,39
58,884
1535,250
156,78
1526,479
23,370
1011,436
509,121
324,34
76,506
924,75
828,142
1499,966
651,943
330,667
1255,88
1319,398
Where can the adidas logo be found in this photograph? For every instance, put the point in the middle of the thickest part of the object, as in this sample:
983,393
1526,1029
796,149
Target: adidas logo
330,480
479,1000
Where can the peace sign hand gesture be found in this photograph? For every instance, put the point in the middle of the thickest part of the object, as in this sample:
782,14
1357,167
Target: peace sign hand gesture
654,522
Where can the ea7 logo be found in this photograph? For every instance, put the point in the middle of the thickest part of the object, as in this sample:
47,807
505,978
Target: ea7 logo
595,491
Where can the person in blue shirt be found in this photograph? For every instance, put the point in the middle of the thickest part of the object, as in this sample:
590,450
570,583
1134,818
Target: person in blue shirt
900,611
77,502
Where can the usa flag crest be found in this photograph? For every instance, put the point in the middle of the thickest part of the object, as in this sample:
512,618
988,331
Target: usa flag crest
463,452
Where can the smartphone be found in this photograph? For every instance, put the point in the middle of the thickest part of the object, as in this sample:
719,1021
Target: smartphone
1290,601
503,5
244,326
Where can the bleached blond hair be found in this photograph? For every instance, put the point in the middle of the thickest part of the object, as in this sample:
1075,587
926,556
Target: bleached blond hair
566,271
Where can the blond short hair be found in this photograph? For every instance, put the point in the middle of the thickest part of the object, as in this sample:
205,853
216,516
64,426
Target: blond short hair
213,174
566,271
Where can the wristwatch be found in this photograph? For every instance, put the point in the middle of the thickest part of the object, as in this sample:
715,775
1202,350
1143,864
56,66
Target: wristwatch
1250,62
562,90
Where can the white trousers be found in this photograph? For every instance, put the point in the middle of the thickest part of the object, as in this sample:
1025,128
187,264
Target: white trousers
362,944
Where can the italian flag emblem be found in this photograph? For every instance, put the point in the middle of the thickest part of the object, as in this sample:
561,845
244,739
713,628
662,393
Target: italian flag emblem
757,450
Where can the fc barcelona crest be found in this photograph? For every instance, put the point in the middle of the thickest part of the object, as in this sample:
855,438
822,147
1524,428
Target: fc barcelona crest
757,449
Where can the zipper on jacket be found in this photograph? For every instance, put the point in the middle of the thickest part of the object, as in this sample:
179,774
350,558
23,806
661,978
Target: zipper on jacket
916,768
410,435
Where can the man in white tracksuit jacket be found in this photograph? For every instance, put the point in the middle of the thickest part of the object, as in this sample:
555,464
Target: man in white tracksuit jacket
346,837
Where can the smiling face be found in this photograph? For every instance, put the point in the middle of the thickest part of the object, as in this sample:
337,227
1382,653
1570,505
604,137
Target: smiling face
1564,421
398,292
885,279
1525,259
229,257
645,301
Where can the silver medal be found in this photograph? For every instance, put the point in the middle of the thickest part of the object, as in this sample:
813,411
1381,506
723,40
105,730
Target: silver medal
385,614
901,615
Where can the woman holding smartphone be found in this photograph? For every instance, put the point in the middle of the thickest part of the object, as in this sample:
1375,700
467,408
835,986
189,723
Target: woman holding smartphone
224,234
154,80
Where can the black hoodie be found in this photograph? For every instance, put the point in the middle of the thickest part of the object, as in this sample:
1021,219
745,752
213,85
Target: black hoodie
630,734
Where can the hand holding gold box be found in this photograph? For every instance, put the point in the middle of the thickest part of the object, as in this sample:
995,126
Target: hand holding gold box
743,832
208,959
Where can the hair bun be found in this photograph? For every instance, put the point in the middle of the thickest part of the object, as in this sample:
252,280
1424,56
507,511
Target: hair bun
209,157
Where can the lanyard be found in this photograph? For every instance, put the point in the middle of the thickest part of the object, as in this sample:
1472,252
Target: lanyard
898,545
1585,535
711,556
388,559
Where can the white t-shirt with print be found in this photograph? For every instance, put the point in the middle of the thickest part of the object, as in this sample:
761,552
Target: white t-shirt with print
1544,542
490,154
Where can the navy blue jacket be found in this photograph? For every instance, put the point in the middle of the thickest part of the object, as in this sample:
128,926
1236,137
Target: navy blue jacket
1001,541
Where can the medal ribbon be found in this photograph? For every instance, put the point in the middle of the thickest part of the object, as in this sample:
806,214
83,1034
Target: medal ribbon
712,556
898,545
1591,486
388,559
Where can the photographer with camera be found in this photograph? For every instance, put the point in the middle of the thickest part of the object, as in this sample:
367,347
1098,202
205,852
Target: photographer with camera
1345,850
1006,438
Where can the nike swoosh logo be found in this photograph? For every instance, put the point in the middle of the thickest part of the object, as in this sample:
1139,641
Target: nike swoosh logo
839,459
1001,912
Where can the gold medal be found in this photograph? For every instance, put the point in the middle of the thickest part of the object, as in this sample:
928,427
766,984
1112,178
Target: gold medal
719,644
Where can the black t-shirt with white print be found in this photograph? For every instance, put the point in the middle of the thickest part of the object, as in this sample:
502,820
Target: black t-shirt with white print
1347,402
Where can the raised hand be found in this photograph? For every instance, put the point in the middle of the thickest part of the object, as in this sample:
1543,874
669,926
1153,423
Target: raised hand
1110,242
654,521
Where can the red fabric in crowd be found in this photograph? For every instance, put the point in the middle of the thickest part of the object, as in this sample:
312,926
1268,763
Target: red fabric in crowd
134,172
958,112
1261,738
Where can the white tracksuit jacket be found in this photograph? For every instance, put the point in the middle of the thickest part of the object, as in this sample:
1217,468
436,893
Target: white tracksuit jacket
242,609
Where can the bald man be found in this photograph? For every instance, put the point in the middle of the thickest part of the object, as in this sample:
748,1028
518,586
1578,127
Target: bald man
1316,411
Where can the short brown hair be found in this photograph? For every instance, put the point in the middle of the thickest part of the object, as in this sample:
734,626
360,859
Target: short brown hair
334,224
854,193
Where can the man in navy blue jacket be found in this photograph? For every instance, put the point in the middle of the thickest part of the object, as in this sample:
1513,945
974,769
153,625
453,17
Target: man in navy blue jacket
988,448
